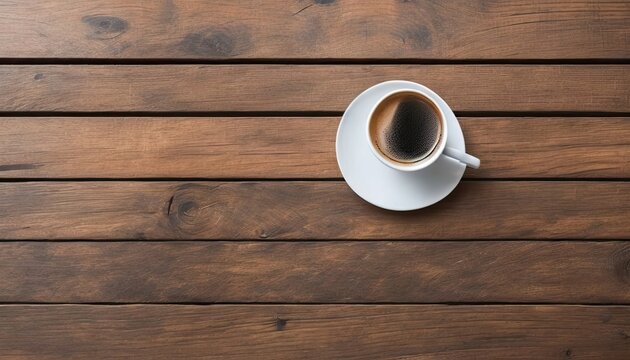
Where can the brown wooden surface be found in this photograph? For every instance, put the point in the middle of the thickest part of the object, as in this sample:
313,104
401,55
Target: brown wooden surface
139,147
198,29
314,332
315,272
600,88
123,122
309,210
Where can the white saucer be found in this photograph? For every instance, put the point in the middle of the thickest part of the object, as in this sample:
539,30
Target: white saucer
383,186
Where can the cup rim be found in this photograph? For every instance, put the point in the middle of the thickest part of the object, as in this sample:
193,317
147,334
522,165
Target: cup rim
427,160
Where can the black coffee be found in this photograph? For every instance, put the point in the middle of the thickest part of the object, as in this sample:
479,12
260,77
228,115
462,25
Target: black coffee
405,127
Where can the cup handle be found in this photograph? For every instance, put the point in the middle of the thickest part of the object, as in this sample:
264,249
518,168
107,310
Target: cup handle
461,156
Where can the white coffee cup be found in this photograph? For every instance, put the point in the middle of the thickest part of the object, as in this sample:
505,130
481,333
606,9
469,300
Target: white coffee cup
440,148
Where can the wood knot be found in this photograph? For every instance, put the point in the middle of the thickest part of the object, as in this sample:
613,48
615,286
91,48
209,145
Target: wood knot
194,208
105,27
568,353
216,42
280,324
187,209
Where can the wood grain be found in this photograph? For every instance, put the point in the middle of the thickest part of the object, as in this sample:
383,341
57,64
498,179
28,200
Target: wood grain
140,147
315,272
198,29
308,210
215,58
314,332
602,88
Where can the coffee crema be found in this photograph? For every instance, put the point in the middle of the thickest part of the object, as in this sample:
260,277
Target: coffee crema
405,127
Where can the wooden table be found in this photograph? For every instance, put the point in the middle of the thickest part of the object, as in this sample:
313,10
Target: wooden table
169,187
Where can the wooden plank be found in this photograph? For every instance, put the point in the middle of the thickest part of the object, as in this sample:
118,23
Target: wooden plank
308,210
315,272
141,147
551,147
603,88
314,332
199,29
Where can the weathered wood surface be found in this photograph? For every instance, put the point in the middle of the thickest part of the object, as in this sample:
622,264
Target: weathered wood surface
106,88
198,29
304,147
142,60
314,332
308,210
315,272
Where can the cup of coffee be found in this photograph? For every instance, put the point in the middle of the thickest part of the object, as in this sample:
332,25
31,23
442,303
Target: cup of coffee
407,131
